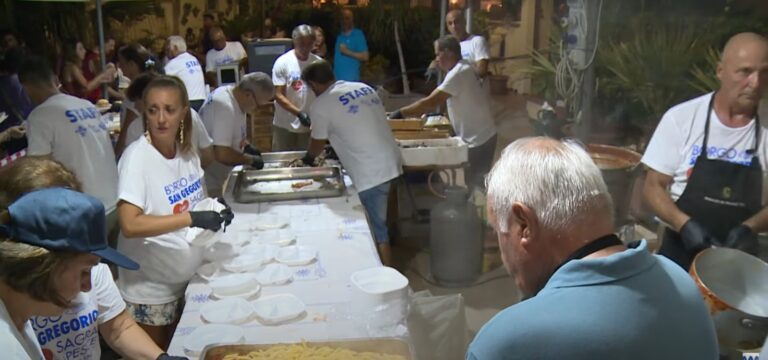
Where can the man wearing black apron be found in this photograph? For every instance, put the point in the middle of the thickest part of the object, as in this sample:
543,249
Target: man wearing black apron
722,202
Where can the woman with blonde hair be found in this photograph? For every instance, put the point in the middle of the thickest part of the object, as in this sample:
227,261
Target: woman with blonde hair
102,306
50,242
161,182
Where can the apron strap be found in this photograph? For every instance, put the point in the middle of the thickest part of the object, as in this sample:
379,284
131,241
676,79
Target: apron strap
592,247
703,153
710,108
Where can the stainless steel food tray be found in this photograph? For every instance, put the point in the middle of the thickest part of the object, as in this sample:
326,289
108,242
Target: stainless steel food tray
274,160
239,182
389,346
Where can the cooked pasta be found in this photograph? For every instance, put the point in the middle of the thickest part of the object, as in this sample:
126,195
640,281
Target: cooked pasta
303,351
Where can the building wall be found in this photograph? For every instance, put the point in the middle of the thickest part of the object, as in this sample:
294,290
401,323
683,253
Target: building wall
518,38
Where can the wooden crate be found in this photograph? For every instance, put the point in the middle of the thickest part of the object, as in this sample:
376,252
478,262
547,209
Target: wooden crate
259,127
422,134
406,124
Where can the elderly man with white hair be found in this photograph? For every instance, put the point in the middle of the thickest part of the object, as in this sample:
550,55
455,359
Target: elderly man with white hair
586,294
224,114
185,66
290,126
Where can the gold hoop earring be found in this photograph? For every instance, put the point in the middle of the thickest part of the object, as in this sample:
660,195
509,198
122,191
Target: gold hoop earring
181,132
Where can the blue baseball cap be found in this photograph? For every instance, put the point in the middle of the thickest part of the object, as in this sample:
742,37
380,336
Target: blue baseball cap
64,220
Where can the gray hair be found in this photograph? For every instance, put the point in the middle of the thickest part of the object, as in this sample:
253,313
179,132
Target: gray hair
558,180
301,31
178,42
257,83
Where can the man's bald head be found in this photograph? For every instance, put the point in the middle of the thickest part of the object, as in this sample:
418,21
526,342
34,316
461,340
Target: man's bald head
218,38
456,24
743,72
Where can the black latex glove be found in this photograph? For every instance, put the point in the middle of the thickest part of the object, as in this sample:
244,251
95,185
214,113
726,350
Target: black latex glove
330,154
209,220
257,162
165,356
251,150
304,119
308,160
742,238
695,237
227,213
396,114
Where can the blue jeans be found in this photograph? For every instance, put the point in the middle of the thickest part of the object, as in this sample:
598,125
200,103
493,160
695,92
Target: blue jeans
375,203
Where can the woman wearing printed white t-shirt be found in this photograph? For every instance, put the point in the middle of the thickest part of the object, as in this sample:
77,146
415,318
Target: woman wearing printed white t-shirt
74,334
160,182
201,141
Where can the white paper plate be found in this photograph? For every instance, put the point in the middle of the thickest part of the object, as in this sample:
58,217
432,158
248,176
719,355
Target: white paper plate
280,237
296,255
269,222
267,251
233,284
227,311
205,335
278,308
249,262
274,274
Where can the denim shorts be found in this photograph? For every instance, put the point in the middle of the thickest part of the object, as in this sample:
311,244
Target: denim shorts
155,315
375,203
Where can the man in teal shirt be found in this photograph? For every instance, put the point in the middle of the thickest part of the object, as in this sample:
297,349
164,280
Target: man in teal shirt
350,50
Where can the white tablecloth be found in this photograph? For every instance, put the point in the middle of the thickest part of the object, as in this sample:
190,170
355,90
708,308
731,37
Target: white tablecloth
338,228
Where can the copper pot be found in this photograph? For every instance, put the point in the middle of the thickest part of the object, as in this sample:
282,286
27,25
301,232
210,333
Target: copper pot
735,287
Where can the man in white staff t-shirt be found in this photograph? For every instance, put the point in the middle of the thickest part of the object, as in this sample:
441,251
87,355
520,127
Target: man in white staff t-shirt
351,116
290,127
183,65
474,48
224,115
468,108
223,53
71,131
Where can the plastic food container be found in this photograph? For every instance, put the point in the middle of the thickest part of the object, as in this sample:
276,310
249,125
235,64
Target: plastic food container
269,222
233,284
446,152
219,251
266,251
278,308
296,255
274,274
246,262
212,334
279,237
227,311
210,271
382,296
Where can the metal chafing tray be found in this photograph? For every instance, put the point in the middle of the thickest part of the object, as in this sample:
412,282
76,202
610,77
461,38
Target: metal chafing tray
384,346
275,160
242,182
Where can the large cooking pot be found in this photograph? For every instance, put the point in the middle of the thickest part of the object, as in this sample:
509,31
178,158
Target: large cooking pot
735,287
620,170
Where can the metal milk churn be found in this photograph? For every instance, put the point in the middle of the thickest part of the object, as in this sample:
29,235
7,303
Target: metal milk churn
455,240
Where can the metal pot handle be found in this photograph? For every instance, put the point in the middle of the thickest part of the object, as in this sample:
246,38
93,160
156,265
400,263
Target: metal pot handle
753,324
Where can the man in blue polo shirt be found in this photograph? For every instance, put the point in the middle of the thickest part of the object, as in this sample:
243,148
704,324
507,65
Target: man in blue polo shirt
351,49
586,294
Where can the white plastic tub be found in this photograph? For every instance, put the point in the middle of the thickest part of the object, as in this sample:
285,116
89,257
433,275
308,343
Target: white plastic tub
381,296
431,152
